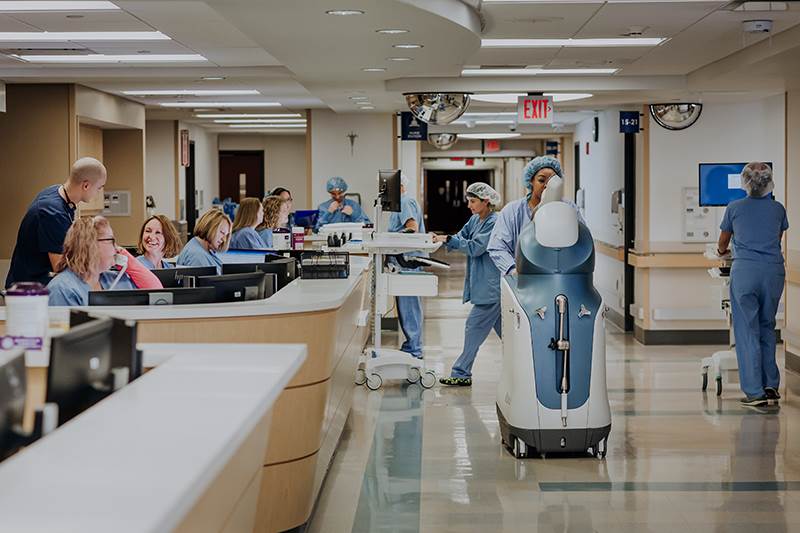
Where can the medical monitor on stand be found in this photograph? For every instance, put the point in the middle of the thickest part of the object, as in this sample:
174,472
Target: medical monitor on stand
389,190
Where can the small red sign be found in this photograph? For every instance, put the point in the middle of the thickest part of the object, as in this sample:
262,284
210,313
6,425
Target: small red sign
470,162
492,146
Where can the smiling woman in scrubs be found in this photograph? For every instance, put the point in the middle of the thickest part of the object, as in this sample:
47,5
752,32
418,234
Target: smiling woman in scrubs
157,240
756,224
482,282
248,217
211,236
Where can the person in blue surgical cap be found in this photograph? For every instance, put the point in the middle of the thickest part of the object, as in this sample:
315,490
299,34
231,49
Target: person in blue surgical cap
338,208
409,308
482,282
517,214
756,224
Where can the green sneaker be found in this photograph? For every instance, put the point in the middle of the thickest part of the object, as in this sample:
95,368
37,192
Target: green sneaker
458,382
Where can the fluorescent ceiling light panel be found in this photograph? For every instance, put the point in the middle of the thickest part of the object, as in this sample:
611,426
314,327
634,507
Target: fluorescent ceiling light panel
123,58
25,7
268,126
572,43
248,115
534,71
190,92
220,104
488,136
344,12
391,31
407,46
367,107
374,69
491,114
76,36
261,121
511,98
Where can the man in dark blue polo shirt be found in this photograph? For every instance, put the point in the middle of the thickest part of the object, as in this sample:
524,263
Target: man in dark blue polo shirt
40,239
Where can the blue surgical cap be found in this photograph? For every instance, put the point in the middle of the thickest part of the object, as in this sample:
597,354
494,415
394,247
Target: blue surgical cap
536,164
336,183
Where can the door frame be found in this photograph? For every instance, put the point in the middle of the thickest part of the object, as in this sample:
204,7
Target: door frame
260,153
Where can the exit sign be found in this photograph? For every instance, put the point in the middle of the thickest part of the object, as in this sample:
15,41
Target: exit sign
535,110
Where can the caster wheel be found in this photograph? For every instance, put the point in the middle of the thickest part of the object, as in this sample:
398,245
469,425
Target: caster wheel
705,381
414,375
520,449
374,382
361,376
601,449
427,380
719,386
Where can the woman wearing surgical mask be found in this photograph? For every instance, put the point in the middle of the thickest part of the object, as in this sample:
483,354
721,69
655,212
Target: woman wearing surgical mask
157,240
537,175
276,215
482,282
248,217
755,224
211,236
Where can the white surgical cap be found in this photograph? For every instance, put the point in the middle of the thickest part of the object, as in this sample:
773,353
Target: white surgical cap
484,192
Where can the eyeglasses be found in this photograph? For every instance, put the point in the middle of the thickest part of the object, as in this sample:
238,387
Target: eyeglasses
109,239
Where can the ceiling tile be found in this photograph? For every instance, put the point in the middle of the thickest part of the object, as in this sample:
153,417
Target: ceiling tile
660,19
536,20
8,23
89,21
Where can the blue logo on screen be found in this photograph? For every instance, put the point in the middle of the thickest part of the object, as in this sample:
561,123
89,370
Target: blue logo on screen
721,183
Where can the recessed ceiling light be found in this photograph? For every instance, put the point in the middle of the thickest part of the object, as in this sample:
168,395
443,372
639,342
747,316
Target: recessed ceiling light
271,126
190,92
22,7
102,58
261,121
374,69
249,115
344,12
488,136
390,31
534,71
213,78
572,43
407,46
220,104
72,36
399,59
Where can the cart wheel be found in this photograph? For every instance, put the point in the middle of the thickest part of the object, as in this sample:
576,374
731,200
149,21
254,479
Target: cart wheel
520,448
374,382
601,449
427,380
361,376
719,386
414,375
705,381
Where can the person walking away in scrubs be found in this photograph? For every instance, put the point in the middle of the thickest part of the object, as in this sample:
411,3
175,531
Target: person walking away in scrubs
157,240
409,308
249,216
211,236
339,209
482,282
47,220
287,196
755,224
518,214
276,215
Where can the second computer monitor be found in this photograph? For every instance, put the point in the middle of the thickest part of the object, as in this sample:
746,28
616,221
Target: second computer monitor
282,267
239,287
176,277
389,190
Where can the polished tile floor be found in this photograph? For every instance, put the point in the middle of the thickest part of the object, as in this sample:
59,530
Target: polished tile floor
678,461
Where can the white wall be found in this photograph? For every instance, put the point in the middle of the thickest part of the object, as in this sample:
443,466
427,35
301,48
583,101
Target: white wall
284,161
160,159
206,158
330,152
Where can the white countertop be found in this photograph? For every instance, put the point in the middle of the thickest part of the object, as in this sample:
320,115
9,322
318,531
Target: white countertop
139,460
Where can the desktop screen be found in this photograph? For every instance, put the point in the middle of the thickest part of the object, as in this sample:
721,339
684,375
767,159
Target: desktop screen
721,183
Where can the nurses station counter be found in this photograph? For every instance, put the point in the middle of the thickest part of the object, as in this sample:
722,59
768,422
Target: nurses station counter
179,449
330,318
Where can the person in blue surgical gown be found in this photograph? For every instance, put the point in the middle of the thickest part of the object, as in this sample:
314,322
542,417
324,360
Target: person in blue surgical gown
409,308
339,209
755,224
482,282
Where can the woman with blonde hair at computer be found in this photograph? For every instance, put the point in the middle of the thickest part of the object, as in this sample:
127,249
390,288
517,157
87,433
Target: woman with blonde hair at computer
276,215
211,236
248,217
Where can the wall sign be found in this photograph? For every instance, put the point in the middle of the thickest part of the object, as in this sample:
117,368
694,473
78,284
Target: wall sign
629,122
535,110
184,148
411,128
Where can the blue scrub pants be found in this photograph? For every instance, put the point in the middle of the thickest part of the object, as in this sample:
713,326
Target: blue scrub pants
409,313
756,290
480,322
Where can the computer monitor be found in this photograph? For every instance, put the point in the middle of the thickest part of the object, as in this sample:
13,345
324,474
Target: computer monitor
389,190
123,342
166,296
175,277
721,183
79,374
12,400
282,267
239,287
306,218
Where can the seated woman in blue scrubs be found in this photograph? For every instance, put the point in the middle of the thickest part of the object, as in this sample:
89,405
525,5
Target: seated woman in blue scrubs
339,209
157,240
756,224
248,217
276,215
482,282
211,236
89,253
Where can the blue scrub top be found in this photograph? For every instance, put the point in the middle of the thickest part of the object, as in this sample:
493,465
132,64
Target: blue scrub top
247,239
757,225
194,255
146,262
266,236
509,224
69,289
41,231
409,208
482,282
337,216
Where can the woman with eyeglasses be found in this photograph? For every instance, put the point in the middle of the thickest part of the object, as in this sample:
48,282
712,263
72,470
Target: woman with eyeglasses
90,251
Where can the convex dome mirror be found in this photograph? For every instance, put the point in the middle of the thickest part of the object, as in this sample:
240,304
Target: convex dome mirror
442,141
675,116
437,108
